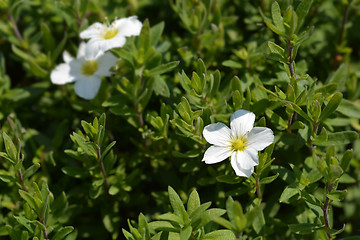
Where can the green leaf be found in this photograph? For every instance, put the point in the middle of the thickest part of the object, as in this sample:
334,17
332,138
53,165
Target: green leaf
304,228
276,16
193,202
316,110
89,130
10,148
322,137
76,172
349,109
163,68
197,83
230,179
155,33
144,227
239,219
225,223
171,217
185,232
107,149
47,39
160,87
277,57
301,11
314,204
177,204
255,217
63,232
337,195
215,79
87,147
31,170
199,212
274,28
338,138
25,222
185,81
331,106
220,234
232,64
30,200
144,38
297,109
268,180
345,160
340,76
297,125
290,191
327,89
274,48
7,178
335,172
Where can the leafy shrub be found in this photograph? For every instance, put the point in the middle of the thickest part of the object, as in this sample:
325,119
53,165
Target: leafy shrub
127,162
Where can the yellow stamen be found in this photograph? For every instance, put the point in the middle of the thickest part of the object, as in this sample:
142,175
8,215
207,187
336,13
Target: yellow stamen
89,67
239,144
110,33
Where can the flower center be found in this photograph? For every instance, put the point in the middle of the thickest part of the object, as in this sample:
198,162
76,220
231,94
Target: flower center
110,33
239,144
89,67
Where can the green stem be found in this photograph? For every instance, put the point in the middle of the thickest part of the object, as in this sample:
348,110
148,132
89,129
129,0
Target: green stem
21,181
258,188
44,230
338,58
345,17
292,75
291,60
102,168
16,30
325,211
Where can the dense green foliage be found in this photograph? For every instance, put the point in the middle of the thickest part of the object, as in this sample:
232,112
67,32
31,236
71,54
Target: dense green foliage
127,164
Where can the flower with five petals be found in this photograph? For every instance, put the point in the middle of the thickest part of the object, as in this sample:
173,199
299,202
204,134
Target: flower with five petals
85,70
241,142
104,37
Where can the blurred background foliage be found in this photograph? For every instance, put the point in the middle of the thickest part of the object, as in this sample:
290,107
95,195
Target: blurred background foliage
194,63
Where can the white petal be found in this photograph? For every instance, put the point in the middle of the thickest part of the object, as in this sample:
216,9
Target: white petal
241,122
95,46
75,68
88,87
238,169
246,159
260,137
92,31
130,26
61,74
215,154
81,50
67,57
105,62
218,134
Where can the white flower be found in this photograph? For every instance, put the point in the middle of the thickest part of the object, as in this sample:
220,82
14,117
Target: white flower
85,71
242,142
104,37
